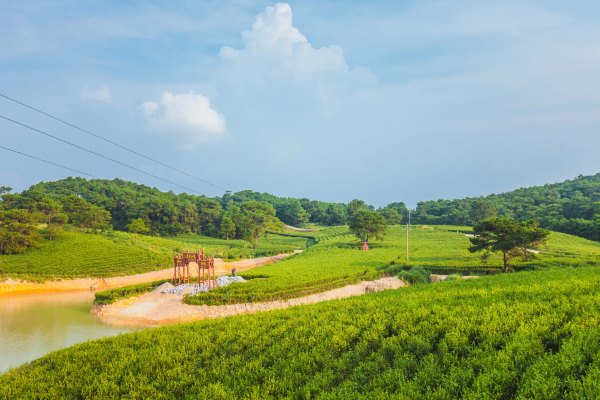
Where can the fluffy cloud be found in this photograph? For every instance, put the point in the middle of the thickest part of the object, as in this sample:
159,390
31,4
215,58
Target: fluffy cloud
188,114
100,94
278,48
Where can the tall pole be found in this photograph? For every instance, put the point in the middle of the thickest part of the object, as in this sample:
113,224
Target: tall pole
407,225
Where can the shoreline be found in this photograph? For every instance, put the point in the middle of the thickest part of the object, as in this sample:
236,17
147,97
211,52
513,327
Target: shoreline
156,309
13,286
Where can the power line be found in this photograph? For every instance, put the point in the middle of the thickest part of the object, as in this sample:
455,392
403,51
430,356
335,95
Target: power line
97,154
48,162
81,172
111,142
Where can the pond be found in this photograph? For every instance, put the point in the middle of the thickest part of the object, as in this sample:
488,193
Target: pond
33,325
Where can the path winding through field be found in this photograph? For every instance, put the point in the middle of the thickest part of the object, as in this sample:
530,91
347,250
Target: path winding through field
162,309
17,286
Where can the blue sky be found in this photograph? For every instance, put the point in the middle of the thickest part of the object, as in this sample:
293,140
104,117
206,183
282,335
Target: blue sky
331,100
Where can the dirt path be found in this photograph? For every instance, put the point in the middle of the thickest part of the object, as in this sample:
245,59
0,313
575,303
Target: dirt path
14,286
162,309
295,229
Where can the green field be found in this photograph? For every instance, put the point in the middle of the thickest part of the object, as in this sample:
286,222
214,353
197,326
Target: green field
526,335
443,249
337,261
74,254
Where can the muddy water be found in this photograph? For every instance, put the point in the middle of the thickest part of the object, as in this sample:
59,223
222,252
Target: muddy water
35,324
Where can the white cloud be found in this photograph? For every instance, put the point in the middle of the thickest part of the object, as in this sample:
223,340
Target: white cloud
188,114
274,46
99,94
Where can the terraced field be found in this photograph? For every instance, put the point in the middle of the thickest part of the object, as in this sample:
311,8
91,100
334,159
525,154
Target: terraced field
74,254
444,249
337,261
529,335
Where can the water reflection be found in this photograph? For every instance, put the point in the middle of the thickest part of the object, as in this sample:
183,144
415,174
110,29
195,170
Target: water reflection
36,324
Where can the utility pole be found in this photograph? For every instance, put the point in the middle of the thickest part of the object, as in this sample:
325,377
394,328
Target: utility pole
407,226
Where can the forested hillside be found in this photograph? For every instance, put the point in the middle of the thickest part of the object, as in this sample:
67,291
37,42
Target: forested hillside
572,206
170,213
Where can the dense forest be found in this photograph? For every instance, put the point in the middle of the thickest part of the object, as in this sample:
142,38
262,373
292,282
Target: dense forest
572,206
101,204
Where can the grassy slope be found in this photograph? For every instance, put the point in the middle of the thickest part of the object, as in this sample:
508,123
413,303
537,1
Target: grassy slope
444,249
75,254
337,261
527,335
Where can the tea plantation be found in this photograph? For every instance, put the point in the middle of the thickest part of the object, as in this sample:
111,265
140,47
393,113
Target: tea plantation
74,254
528,335
337,261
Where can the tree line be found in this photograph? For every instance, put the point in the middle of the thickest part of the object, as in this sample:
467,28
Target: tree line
572,206
100,204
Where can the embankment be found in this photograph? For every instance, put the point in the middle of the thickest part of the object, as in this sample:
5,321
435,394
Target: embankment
16,286
161,309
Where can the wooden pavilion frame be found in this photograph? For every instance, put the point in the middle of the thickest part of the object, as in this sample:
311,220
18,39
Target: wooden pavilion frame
206,268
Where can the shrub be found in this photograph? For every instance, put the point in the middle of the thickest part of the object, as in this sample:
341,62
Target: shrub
417,274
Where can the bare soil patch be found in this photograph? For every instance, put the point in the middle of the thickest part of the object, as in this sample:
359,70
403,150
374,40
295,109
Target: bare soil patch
14,286
161,309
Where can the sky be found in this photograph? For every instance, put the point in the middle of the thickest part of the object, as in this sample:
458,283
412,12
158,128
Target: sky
330,100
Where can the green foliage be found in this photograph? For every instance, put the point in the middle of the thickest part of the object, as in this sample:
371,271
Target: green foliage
572,206
73,254
257,219
293,213
17,231
506,235
391,216
454,277
482,209
336,261
138,226
532,335
85,215
226,227
416,274
112,295
365,224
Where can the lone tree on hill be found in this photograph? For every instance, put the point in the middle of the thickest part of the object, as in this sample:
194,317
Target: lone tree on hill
506,235
365,224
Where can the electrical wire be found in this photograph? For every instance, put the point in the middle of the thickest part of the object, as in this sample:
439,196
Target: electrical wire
98,154
111,142
84,173
48,162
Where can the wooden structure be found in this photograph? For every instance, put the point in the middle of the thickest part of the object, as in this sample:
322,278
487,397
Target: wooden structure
206,270
205,264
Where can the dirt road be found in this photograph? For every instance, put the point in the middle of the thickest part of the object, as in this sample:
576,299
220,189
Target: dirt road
162,309
14,286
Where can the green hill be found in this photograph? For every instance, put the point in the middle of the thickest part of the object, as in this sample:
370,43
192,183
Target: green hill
572,206
526,335
75,254
336,261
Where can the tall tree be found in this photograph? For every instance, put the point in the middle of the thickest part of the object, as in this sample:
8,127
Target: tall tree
17,231
366,224
138,226
356,205
85,215
293,213
508,236
482,209
226,227
391,216
258,219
